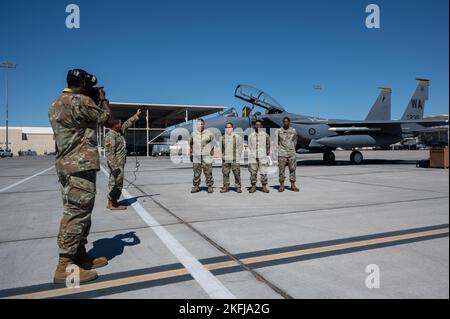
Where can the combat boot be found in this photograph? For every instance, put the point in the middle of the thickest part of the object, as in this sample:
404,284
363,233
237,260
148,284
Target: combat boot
281,189
61,274
195,189
210,190
239,190
84,260
252,189
265,189
294,188
225,189
115,206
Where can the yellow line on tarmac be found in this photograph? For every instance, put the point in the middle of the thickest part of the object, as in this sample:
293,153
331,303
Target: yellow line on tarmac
222,265
101,285
310,251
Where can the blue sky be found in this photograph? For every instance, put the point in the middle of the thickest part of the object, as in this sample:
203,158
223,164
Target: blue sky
197,51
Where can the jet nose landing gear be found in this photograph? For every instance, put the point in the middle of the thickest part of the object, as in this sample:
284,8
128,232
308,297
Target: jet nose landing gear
356,157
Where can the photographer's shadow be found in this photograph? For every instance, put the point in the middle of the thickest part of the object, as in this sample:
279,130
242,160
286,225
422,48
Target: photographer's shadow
112,247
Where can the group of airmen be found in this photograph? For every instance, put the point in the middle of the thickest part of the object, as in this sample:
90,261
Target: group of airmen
259,147
75,116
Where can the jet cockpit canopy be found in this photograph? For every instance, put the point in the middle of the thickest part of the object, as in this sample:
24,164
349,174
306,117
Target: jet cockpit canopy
257,97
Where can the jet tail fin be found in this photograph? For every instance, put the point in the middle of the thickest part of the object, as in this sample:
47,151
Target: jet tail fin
381,109
416,106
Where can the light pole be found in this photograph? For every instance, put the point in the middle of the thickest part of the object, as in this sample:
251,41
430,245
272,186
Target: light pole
7,65
317,88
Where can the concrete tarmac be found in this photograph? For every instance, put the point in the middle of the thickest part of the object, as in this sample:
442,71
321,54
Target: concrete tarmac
317,243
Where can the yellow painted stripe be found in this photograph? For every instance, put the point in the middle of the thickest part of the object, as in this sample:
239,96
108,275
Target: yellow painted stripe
101,285
343,246
222,265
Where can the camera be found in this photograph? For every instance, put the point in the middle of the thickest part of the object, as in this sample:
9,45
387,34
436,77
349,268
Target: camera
79,77
94,93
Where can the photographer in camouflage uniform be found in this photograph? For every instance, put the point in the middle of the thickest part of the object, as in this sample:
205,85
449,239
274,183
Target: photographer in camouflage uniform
75,117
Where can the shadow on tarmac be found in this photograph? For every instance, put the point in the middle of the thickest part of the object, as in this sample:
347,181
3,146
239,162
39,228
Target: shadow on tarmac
112,247
132,200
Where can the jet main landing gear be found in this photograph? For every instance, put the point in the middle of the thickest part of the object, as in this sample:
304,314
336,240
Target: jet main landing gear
329,158
356,157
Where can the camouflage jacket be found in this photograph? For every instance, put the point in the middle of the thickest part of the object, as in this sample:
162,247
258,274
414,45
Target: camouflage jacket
116,146
287,141
258,145
75,119
232,146
202,145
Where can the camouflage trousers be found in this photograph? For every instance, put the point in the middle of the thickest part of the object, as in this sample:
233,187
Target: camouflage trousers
78,195
226,170
260,166
290,162
207,170
115,184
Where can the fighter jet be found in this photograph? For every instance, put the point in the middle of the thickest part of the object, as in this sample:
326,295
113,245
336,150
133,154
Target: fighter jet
318,135
381,110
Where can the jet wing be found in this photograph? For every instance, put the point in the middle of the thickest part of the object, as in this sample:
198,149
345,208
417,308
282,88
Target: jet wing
441,128
371,126
421,122
358,123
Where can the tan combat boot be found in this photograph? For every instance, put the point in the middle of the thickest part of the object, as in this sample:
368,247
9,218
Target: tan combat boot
265,189
294,188
115,206
210,190
225,189
61,274
252,189
195,189
239,190
281,189
85,261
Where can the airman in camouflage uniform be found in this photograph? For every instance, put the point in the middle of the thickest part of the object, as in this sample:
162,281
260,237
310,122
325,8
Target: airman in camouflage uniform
232,147
258,152
202,151
116,155
74,117
287,141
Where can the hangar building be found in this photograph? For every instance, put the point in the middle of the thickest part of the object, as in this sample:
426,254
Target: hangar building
156,118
